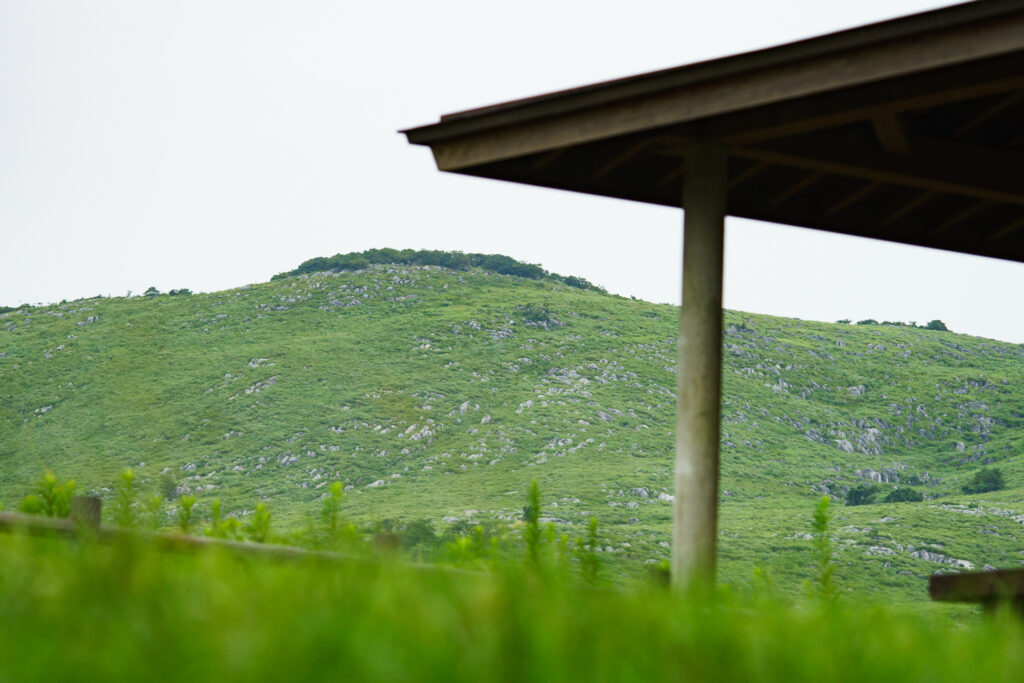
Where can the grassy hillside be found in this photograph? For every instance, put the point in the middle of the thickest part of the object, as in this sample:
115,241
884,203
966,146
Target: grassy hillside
437,395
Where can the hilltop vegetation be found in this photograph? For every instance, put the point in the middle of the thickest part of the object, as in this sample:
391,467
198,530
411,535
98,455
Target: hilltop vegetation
435,395
453,260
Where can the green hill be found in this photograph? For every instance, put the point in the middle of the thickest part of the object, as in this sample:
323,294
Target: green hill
438,394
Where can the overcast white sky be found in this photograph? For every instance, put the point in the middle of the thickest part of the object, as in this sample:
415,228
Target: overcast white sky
208,144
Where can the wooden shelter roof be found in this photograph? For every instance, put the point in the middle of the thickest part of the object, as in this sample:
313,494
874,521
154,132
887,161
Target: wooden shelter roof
910,130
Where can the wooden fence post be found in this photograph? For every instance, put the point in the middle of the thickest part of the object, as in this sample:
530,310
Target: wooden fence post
85,510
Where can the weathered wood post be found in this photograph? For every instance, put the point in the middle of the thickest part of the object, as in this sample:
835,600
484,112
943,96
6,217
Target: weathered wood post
700,362
85,510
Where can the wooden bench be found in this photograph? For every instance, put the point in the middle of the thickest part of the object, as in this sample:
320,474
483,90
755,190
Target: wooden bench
989,588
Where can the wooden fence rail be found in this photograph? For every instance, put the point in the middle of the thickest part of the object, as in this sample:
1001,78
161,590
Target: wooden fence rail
988,588
84,522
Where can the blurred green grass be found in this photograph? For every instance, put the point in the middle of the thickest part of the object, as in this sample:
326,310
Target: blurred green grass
125,611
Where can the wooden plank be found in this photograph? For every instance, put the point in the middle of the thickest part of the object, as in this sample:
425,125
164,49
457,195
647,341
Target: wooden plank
1001,584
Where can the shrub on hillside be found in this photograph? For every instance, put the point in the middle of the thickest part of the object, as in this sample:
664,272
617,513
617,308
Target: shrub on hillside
862,495
534,313
984,480
904,495
937,325
581,283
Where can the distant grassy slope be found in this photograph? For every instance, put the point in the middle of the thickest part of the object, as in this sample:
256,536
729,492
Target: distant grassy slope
439,394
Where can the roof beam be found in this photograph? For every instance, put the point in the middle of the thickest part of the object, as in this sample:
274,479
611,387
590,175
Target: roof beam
796,188
547,159
961,217
988,113
746,174
890,133
633,150
837,111
909,207
1008,229
942,167
852,198
674,174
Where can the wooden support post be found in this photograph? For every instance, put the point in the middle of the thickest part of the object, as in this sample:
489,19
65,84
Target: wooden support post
700,366
85,510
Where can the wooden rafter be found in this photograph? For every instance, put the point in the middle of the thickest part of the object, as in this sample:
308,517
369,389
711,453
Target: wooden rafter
632,151
890,133
852,198
936,166
746,174
547,159
988,113
959,218
796,188
674,174
810,117
909,207
1007,230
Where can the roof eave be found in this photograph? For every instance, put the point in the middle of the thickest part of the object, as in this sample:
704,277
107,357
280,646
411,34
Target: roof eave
516,112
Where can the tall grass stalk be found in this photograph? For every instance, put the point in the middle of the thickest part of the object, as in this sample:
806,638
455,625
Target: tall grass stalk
125,496
531,533
824,565
590,563
185,505
259,526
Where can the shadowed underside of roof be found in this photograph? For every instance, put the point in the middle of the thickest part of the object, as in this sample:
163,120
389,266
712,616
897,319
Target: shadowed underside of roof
910,130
